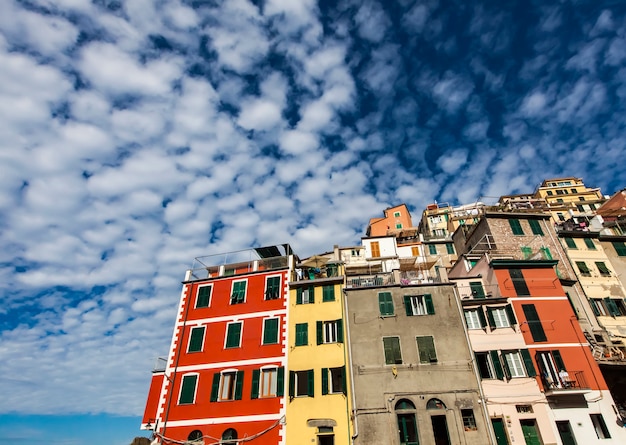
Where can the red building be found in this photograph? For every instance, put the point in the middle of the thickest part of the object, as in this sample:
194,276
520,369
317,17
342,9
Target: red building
566,371
224,375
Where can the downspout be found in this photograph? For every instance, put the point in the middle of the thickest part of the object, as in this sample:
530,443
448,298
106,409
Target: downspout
349,349
483,400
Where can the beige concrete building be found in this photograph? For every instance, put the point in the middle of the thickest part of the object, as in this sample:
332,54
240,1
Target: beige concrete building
413,382
569,196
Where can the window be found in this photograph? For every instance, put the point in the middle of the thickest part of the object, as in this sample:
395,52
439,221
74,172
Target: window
573,190
432,249
513,364
450,248
272,288
302,334
385,304
560,216
227,385
325,435
519,283
203,299
407,423
598,424
328,293
604,271
500,317
545,252
233,334
582,267
535,227
419,304
305,295
301,383
560,192
329,332
426,349
526,252
570,242
475,319
534,323
590,244
228,436
620,248
415,251
196,339
333,380
239,292
613,307
489,366
559,200
550,193
396,214
375,246
398,226
469,421
477,289
270,331
267,382
391,345
516,227
188,389
195,435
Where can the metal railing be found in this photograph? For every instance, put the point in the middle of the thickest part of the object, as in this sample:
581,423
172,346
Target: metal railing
376,280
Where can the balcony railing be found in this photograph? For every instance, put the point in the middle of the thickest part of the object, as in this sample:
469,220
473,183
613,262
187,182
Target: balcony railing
565,382
380,279
316,273
160,363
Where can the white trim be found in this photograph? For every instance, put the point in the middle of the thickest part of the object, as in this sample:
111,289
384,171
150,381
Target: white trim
556,345
232,288
263,331
280,290
222,420
238,364
238,316
511,299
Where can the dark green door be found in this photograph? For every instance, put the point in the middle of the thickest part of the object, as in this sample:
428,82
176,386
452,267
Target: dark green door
565,431
531,434
498,429
407,427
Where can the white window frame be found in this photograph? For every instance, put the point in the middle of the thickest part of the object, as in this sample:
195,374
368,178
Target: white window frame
263,331
232,289
191,336
418,305
500,318
268,381
266,282
515,363
330,334
305,376
240,334
195,389
210,286
472,319
228,385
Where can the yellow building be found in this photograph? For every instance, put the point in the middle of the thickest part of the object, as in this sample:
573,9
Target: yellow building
319,406
567,197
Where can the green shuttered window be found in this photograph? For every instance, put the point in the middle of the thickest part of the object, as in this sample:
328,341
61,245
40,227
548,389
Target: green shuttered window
204,296
270,331
534,323
385,304
188,389
196,340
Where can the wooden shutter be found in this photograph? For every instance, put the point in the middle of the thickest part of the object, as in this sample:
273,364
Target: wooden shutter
328,293
256,375
516,227
311,383
339,331
477,289
510,314
324,381
519,283
492,321
188,390
611,306
426,348
292,384
270,333
280,381
239,385
299,295
558,360
528,363
344,384
204,293
320,332
215,387
481,317
535,227
430,307
407,305
197,337
534,323
497,365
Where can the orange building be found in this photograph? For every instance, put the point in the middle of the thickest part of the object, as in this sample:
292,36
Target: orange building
224,378
396,219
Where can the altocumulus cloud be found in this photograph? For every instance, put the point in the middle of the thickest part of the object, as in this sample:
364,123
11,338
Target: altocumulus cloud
136,136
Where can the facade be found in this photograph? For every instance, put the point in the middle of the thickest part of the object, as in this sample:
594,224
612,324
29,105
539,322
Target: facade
395,220
319,404
224,377
413,382
567,197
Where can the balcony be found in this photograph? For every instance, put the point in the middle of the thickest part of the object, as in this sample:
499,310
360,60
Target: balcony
377,280
329,272
567,382
160,364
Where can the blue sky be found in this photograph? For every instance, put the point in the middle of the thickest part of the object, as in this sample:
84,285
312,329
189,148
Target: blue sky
137,135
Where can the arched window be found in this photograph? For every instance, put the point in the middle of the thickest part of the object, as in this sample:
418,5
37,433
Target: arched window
195,435
407,424
435,404
228,436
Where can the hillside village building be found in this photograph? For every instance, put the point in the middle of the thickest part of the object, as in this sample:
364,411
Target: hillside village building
498,325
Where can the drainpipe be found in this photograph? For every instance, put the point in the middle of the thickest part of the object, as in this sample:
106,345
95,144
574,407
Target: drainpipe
483,400
349,348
